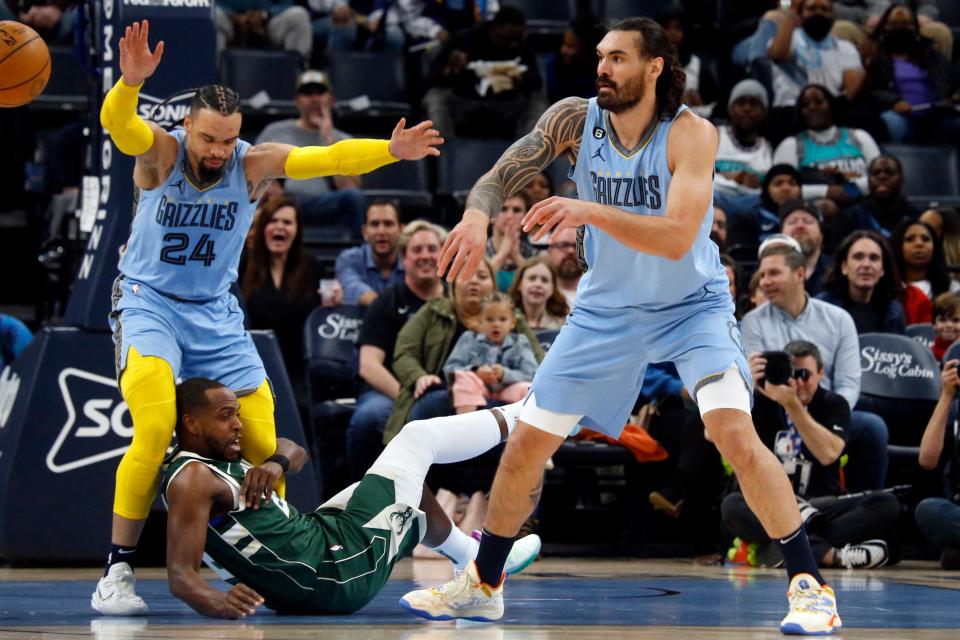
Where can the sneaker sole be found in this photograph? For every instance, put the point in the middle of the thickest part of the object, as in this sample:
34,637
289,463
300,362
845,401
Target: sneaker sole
99,611
429,616
793,629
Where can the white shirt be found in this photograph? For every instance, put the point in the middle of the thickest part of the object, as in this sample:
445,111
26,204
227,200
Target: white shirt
821,62
732,156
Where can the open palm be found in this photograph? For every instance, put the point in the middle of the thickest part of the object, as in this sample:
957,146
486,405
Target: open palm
137,63
416,142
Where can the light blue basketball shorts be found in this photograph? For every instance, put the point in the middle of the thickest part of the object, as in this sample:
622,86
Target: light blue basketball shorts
197,339
596,365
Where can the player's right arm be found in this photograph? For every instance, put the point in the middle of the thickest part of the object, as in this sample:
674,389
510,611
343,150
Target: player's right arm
558,131
154,148
191,498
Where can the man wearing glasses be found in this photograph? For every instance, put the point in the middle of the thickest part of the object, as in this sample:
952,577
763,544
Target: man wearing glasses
562,251
805,425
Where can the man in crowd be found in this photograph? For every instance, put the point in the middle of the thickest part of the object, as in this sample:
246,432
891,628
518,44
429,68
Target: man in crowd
327,200
419,247
803,222
365,271
562,252
805,425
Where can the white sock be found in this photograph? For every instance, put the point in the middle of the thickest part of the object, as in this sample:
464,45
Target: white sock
422,443
459,548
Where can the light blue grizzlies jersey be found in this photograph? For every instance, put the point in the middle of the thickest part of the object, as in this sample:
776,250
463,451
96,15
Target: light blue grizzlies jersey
618,276
186,242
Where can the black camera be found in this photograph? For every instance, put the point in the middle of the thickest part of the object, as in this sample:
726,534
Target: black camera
779,368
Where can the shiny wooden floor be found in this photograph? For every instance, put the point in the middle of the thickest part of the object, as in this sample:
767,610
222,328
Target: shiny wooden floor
553,599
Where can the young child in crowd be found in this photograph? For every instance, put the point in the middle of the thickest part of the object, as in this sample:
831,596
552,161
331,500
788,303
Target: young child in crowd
494,363
946,322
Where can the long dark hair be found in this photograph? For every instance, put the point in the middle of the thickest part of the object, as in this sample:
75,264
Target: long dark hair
653,43
881,28
889,286
257,271
937,272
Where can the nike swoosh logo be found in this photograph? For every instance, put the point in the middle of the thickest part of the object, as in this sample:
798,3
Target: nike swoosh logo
123,553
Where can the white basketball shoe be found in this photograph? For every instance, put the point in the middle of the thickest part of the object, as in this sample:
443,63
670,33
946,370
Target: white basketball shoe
115,594
463,597
813,608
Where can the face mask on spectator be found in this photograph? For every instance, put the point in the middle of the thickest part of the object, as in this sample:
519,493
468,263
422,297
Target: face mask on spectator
818,26
900,39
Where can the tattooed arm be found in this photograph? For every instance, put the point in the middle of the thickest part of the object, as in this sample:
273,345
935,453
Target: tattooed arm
558,131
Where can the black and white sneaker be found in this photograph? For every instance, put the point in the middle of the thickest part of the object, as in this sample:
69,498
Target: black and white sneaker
866,555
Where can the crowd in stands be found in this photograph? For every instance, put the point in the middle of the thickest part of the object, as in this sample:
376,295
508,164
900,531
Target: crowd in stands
820,239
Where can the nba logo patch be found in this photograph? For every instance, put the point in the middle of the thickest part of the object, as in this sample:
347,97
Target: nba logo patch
598,133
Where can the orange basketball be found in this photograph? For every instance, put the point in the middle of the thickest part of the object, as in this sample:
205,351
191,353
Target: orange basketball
24,64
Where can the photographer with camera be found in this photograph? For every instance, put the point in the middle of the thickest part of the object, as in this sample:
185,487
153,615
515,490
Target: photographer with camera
794,315
805,425
939,518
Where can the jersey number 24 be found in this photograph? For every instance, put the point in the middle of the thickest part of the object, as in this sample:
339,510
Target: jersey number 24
175,246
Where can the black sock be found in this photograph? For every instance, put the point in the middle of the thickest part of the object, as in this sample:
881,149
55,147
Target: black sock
492,556
798,556
119,553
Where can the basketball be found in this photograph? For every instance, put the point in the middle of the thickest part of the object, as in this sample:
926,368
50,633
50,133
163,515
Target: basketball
24,64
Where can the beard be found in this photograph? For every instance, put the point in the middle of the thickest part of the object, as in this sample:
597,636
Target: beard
569,268
206,174
623,98
809,246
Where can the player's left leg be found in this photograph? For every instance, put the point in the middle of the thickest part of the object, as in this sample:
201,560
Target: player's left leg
704,344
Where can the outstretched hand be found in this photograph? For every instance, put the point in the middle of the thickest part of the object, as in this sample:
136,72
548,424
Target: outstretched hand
137,63
416,142
465,247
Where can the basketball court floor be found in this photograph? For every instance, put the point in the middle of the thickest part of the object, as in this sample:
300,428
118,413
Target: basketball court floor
555,598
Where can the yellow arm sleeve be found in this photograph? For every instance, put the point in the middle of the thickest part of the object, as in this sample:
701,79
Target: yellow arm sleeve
119,116
345,158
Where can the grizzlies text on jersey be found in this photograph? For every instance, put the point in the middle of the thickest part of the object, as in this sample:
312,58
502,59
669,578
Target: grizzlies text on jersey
186,242
636,181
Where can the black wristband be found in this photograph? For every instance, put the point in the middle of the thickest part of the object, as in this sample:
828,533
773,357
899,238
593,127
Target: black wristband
281,460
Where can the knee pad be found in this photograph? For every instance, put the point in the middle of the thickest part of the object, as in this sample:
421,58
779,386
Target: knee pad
148,387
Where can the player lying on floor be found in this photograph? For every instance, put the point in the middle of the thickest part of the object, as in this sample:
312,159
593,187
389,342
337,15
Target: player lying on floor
331,561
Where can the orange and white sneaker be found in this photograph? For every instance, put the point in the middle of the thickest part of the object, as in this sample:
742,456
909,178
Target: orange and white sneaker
463,597
813,608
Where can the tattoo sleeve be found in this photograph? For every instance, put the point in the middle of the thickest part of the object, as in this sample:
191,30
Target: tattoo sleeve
558,130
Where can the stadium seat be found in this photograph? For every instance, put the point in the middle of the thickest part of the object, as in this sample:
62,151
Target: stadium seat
546,15
948,12
352,76
928,171
69,84
922,332
406,182
899,381
618,9
250,71
332,363
463,161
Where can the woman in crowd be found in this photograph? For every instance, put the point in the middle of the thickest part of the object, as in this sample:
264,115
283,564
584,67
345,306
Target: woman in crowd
535,293
425,342
864,280
911,83
279,283
918,254
945,221
833,160
508,245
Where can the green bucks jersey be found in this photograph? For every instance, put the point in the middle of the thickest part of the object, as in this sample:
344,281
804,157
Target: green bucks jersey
333,560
